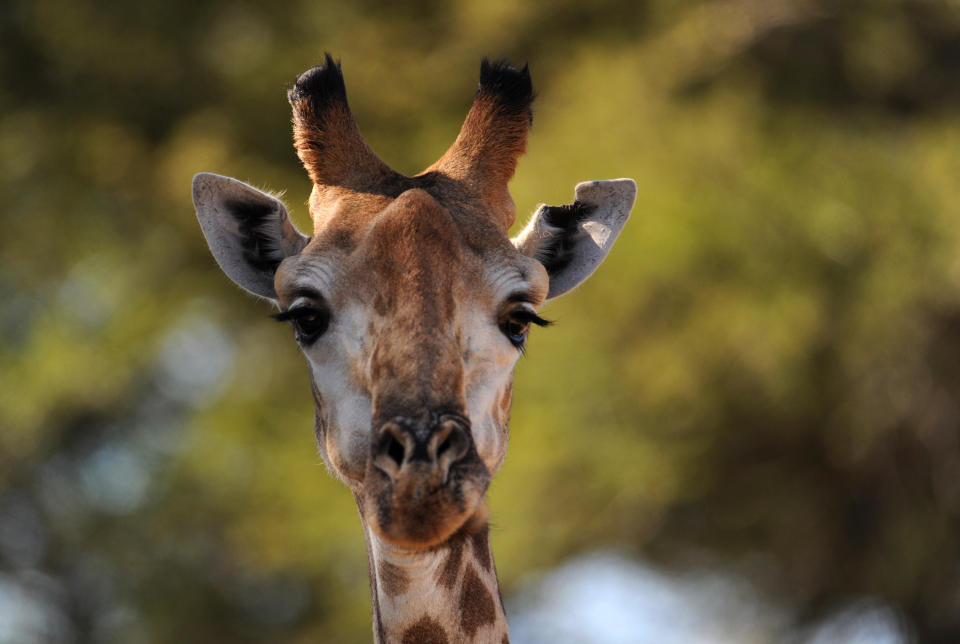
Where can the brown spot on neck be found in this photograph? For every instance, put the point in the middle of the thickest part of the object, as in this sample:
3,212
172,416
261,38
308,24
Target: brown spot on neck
393,580
450,571
476,604
426,630
481,549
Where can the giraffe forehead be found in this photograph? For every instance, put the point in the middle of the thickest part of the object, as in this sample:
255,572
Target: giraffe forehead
411,254
420,245
415,248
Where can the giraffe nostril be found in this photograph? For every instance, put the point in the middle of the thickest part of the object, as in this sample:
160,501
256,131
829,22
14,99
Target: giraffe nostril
400,446
392,449
444,446
395,450
452,447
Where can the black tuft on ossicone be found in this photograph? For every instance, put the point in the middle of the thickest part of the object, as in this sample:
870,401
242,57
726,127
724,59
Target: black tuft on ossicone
319,87
511,87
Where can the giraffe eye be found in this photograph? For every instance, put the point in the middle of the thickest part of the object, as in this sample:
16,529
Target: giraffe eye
516,326
516,330
308,322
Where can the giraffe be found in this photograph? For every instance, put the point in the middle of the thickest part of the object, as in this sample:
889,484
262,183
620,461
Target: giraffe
412,304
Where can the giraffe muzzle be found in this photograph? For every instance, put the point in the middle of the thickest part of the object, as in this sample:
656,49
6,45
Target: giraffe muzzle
425,479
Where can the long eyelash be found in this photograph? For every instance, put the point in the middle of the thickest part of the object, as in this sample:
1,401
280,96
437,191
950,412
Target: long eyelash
531,317
295,314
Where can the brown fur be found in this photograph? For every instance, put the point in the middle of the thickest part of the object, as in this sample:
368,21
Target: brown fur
405,260
341,160
417,511
450,572
485,154
408,247
420,252
393,580
506,400
474,170
476,604
502,412
481,549
318,429
326,135
426,630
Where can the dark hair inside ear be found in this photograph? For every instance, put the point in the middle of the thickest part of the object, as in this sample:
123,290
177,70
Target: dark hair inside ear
259,232
556,251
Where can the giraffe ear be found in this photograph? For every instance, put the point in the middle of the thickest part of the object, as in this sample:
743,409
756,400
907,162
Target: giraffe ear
572,240
248,231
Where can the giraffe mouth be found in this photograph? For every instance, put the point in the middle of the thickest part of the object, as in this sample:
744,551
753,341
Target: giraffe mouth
421,506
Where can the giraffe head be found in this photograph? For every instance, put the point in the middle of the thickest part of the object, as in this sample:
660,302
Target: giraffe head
409,300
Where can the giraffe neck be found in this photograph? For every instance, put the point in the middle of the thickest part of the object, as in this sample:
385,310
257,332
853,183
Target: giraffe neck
443,595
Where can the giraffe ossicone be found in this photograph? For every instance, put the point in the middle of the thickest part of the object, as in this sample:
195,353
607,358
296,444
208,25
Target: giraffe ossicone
412,305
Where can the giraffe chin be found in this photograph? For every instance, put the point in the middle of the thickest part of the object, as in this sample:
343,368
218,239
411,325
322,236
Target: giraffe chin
419,512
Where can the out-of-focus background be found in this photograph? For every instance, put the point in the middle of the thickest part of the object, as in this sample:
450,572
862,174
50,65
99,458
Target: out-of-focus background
744,428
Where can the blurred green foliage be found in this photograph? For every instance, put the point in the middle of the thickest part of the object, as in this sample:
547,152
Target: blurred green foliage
764,375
